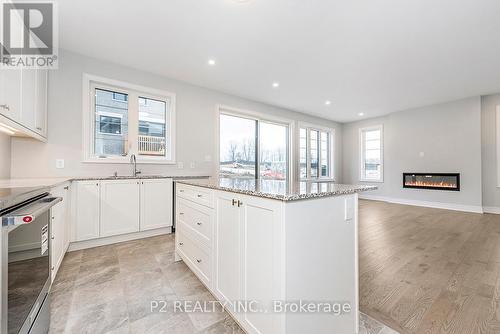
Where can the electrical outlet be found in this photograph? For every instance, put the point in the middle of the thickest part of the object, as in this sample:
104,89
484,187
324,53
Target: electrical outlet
192,164
422,154
208,158
180,165
59,163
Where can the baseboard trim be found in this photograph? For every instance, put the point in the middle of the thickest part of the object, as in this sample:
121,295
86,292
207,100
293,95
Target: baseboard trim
491,209
78,245
427,204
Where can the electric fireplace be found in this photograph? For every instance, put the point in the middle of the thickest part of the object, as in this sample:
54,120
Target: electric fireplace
433,181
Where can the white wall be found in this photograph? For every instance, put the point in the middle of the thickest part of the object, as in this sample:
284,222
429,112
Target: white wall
449,135
491,193
196,123
4,156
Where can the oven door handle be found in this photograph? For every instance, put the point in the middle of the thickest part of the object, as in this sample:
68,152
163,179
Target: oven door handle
29,213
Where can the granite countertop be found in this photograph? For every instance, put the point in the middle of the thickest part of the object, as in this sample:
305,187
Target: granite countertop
56,181
277,189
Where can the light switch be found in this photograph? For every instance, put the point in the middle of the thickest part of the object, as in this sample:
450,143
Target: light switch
180,165
59,163
349,208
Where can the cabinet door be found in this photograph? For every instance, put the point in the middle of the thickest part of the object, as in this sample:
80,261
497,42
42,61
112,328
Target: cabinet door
87,210
10,94
58,231
261,258
119,207
156,203
227,248
41,103
28,95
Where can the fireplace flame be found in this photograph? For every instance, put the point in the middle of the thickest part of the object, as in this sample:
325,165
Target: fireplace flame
441,184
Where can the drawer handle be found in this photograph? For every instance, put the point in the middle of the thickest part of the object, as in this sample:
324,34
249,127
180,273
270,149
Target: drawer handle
181,243
39,128
198,260
198,223
66,188
181,213
181,191
240,203
199,195
234,202
5,106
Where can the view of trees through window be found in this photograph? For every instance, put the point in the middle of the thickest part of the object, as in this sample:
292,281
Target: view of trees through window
248,145
315,153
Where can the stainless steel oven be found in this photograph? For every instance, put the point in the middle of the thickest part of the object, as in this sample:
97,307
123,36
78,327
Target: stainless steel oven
25,255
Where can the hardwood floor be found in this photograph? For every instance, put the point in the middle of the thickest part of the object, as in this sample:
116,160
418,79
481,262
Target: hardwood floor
426,270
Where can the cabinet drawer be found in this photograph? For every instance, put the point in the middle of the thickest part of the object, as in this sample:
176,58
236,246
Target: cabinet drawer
196,194
195,256
197,217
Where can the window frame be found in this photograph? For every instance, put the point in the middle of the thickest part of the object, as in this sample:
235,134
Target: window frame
331,152
90,83
259,117
362,150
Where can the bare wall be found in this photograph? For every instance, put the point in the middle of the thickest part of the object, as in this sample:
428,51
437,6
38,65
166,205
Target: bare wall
449,135
491,193
4,156
196,123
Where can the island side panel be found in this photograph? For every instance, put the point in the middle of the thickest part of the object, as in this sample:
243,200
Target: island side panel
322,262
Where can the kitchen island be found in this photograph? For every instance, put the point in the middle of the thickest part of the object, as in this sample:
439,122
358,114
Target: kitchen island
281,258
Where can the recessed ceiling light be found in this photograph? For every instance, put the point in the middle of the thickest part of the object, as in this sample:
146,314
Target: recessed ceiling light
361,114
276,84
211,62
328,102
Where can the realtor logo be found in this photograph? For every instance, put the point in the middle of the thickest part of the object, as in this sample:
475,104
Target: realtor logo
29,38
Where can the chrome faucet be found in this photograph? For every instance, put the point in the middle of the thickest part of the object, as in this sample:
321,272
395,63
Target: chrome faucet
133,161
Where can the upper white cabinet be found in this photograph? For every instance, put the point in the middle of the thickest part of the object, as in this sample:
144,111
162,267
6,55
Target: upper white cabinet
87,203
119,207
23,101
156,203
10,94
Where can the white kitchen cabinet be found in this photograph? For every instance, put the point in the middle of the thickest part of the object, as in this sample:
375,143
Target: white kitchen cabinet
10,94
23,101
119,211
41,102
227,252
59,227
86,222
156,203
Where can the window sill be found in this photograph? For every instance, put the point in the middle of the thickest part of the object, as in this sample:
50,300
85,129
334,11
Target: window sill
127,161
371,181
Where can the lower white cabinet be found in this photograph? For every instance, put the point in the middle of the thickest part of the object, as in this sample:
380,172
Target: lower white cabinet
87,204
114,207
59,227
156,203
119,207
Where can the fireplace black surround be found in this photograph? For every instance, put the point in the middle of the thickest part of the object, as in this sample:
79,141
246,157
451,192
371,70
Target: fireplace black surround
433,181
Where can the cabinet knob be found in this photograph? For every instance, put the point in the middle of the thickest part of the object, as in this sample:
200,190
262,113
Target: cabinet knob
198,260
66,188
181,191
52,237
52,268
39,128
181,243
198,223
199,195
97,184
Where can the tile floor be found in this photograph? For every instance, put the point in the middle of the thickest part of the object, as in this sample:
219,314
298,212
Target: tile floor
109,289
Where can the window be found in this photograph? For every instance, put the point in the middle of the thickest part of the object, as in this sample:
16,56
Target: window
372,158
124,119
110,124
252,147
315,153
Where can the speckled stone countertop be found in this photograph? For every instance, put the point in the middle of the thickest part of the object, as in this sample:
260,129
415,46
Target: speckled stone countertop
278,190
56,181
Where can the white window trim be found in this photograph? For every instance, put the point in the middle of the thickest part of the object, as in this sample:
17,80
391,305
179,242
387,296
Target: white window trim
122,87
227,110
331,132
362,177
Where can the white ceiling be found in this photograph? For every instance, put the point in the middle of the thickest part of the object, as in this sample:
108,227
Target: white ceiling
371,56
